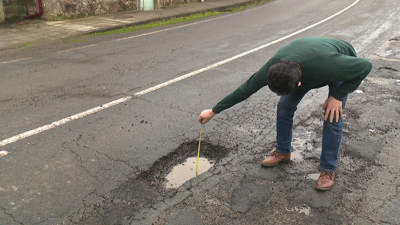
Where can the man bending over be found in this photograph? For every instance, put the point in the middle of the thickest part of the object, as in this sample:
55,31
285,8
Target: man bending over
295,69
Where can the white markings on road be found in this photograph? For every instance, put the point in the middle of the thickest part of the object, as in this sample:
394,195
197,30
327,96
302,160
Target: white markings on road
16,60
3,153
124,99
72,49
384,58
173,28
63,121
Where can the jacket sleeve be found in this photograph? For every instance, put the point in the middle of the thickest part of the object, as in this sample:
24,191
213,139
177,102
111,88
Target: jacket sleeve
352,71
252,85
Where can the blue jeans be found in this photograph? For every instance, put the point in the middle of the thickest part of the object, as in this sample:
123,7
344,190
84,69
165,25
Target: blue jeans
331,134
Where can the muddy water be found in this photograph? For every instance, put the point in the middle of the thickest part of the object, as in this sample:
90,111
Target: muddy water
296,156
313,176
186,171
300,209
301,141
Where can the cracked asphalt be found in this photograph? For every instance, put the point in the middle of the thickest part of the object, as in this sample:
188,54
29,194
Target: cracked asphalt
110,167
237,190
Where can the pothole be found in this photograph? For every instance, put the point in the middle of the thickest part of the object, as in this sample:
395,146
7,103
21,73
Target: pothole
148,187
178,166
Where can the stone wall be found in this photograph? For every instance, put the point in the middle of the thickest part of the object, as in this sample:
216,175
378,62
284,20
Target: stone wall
2,15
13,9
72,9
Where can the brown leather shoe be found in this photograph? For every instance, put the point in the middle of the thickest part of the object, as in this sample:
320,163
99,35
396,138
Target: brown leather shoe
275,158
325,181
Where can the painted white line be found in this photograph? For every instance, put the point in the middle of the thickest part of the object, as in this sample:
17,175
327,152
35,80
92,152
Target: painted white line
72,49
3,153
384,58
16,60
190,24
63,121
173,28
124,99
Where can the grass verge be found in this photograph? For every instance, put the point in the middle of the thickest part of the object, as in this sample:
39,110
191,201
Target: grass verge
181,19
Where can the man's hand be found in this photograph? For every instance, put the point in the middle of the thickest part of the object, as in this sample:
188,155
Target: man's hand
333,108
206,116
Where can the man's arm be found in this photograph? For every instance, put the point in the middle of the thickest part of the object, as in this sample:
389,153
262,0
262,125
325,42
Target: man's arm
251,86
352,71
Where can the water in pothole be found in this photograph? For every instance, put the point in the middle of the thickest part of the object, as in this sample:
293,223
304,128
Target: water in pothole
300,209
301,141
186,171
296,156
313,176
158,174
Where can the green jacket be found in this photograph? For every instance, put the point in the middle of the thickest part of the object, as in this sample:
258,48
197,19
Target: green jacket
322,60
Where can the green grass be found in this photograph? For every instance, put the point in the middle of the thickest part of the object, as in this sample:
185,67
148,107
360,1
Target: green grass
158,23
29,44
180,19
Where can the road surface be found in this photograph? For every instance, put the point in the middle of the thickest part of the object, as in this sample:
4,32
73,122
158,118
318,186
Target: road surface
91,128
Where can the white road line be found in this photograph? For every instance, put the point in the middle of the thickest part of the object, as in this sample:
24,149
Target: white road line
16,60
127,98
87,46
173,28
63,121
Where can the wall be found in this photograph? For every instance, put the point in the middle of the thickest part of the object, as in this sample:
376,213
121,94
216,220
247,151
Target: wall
71,9
2,16
167,3
13,9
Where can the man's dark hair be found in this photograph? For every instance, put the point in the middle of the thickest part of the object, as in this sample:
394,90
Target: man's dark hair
283,77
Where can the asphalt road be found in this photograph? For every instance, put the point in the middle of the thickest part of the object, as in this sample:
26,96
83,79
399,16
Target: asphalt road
107,165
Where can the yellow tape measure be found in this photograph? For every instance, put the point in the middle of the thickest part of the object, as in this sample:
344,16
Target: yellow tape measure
198,151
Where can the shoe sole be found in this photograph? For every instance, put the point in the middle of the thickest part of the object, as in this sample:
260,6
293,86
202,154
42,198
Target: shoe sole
323,189
271,165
